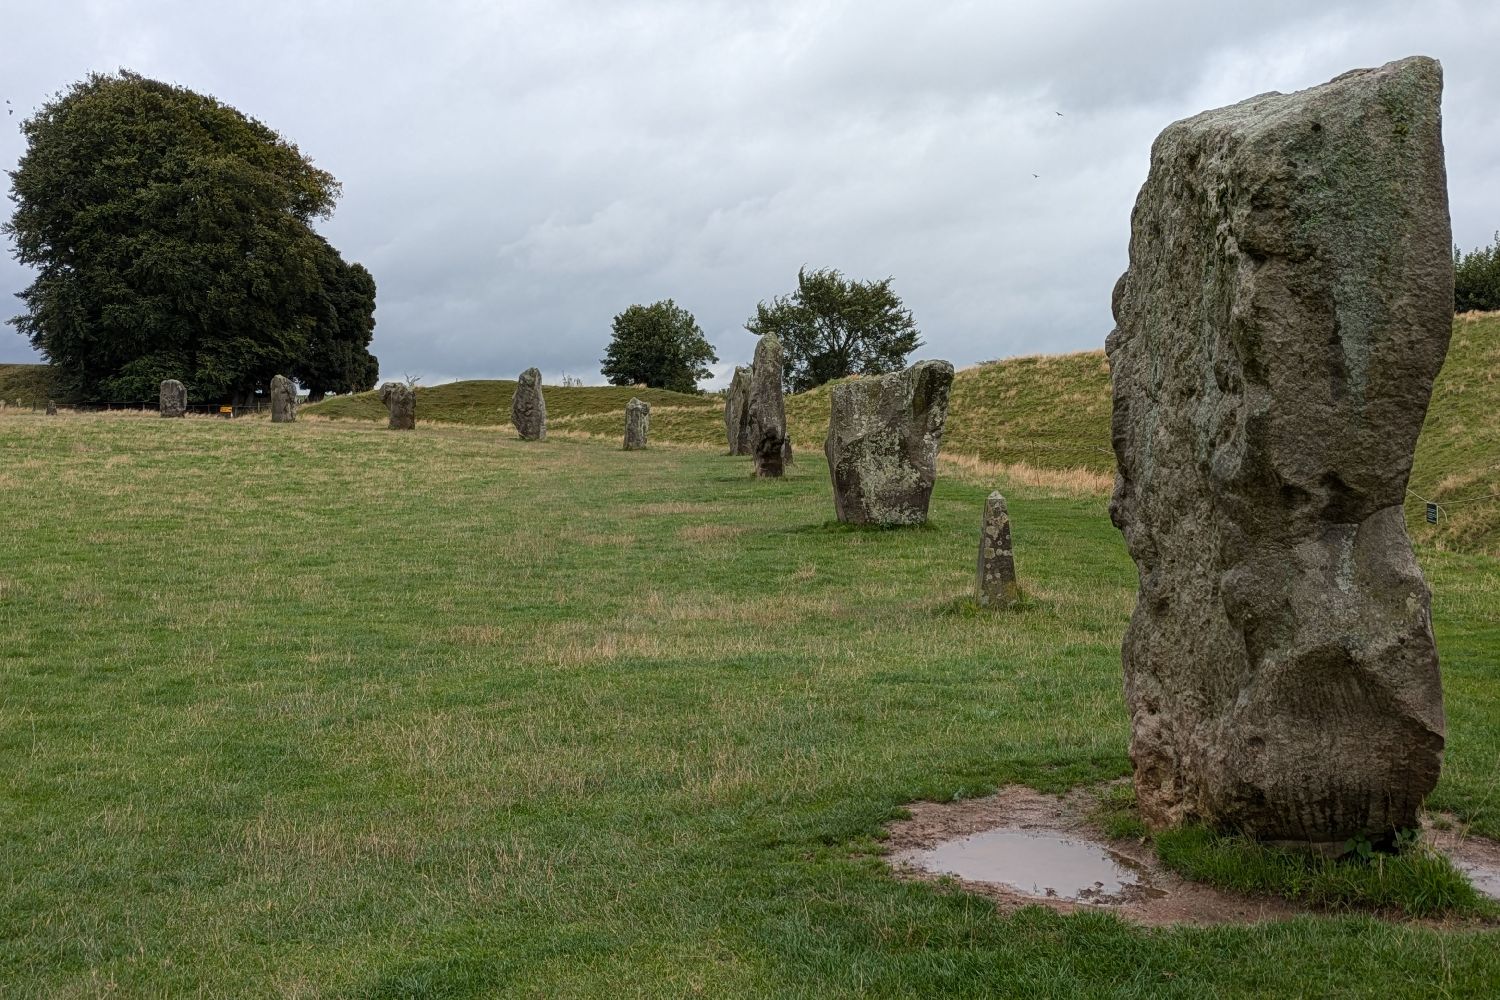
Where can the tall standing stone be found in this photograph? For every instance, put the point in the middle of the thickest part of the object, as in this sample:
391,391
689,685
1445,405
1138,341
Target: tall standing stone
997,586
528,410
1287,307
883,438
173,401
767,408
51,408
737,412
400,402
283,400
637,424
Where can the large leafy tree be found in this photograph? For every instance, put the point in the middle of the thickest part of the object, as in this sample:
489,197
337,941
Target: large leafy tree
1476,274
173,238
336,357
660,345
832,327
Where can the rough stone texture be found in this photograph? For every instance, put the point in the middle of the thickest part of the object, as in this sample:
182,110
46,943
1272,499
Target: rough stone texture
637,424
400,401
997,587
1287,307
883,438
737,412
767,408
173,398
786,452
528,410
283,400
51,408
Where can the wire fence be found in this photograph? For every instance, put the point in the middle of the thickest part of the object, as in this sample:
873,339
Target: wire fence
141,406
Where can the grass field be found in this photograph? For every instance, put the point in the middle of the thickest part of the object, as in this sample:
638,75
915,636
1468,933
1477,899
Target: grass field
322,710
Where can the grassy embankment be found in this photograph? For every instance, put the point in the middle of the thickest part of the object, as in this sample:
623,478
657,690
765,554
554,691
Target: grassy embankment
323,710
1040,416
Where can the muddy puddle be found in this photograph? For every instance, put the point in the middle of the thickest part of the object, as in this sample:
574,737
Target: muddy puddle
1035,862
1020,847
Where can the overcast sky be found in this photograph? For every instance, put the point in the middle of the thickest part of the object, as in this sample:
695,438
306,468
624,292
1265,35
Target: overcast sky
516,173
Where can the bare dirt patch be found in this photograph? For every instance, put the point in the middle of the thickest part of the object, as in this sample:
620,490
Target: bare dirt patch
1151,895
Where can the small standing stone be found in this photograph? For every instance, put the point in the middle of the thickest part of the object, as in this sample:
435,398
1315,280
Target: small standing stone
283,400
173,398
786,452
637,424
528,410
737,412
997,564
767,408
51,408
401,402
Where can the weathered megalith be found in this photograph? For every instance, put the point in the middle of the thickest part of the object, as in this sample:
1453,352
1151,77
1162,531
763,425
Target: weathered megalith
51,408
637,424
528,410
786,452
283,400
884,432
1287,306
997,587
737,412
767,408
173,401
400,402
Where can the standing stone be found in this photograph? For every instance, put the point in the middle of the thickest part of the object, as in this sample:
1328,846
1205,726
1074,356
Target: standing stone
997,563
767,408
283,400
786,452
528,410
637,424
737,412
883,438
400,401
173,398
1287,306
51,408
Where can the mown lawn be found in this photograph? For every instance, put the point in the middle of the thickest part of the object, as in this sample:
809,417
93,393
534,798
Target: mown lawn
323,710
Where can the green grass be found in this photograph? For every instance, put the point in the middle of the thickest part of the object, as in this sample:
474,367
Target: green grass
1416,881
323,710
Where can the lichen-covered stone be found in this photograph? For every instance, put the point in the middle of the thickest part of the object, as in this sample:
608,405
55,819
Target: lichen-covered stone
884,433
637,424
400,402
1286,309
528,410
173,402
51,408
997,586
283,400
737,412
767,408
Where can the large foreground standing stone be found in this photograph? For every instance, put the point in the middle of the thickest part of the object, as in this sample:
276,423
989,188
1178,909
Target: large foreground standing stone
1287,307
737,412
528,410
400,402
767,406
637,424
884,433
283,400
173,401
996,584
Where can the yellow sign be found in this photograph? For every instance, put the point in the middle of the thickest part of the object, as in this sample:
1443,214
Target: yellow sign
226,409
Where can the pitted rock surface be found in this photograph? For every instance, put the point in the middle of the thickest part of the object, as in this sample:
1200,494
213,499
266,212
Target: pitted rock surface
173,401
767,408
1287,306
737,412
997,586
637,424
884,432
400,402
528,410
283,400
